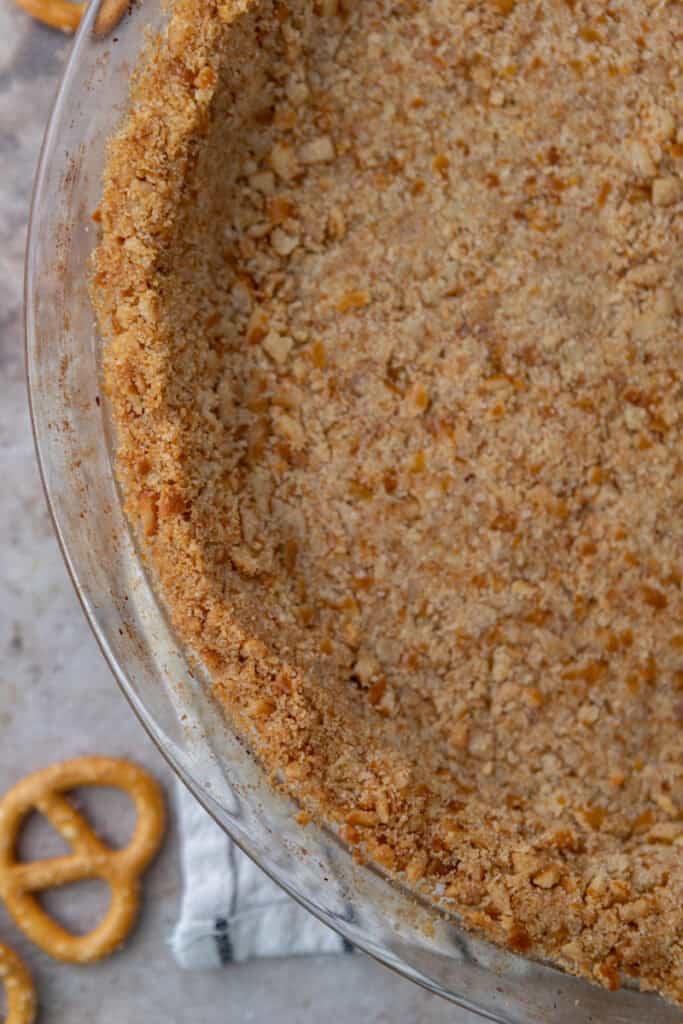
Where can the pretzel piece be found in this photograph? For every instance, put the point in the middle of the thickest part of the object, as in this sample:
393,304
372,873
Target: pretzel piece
59,14
20,993
91,857
66,16
109,15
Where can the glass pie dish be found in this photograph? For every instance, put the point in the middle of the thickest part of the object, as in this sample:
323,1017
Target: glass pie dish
167,691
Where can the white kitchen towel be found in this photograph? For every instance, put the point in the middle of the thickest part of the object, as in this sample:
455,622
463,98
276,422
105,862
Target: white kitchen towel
230,910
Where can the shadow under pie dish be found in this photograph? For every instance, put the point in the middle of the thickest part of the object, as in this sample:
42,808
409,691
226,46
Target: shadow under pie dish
391,297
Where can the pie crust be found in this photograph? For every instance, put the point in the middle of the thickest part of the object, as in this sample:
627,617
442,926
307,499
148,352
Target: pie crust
391,296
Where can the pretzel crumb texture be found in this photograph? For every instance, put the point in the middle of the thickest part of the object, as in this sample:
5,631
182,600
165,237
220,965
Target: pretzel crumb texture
392,297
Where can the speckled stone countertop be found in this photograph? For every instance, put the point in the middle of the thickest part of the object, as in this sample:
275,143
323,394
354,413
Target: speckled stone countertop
58,699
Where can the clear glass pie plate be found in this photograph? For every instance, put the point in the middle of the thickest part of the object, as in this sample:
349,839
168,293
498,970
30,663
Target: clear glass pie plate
171,699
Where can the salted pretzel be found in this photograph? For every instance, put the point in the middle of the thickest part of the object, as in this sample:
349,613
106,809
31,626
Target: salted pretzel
20,994
43,791
66,16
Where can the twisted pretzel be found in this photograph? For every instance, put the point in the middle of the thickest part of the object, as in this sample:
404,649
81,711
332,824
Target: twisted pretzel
20,994
91,858
66,16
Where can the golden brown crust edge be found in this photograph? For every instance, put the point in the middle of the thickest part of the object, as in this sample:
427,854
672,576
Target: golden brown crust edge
148,164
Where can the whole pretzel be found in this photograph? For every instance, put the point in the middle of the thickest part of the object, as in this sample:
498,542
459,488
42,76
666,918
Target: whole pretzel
91,858
20,995
66,16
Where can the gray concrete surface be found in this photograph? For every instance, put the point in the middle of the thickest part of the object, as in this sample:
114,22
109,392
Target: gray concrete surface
57,698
